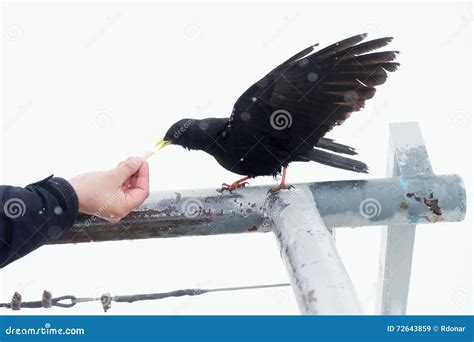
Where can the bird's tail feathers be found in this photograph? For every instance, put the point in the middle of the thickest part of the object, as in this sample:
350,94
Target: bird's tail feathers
331,145
337,161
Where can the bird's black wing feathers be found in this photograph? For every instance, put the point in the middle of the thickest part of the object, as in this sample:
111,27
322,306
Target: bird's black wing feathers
315,90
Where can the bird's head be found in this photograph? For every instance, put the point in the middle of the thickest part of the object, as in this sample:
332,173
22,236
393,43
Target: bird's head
192,134
180,133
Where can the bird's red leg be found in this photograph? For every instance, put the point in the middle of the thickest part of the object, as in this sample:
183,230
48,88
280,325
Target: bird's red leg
282,184
237,184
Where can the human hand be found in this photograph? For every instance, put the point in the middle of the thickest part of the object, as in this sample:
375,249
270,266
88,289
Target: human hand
112,194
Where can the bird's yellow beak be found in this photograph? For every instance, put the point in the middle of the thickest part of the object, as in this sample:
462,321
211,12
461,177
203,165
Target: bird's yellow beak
162,144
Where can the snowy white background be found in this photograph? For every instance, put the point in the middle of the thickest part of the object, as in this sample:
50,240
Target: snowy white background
86,85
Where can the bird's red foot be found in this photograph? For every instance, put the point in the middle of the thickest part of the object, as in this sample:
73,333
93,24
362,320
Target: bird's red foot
241,183
232,187
282,186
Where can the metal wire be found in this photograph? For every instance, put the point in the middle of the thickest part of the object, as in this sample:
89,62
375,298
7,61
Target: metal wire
106,299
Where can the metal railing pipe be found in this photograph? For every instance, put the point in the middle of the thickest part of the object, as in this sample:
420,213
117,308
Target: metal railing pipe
352,203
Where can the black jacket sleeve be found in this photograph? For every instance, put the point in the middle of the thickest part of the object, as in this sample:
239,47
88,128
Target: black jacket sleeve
32,216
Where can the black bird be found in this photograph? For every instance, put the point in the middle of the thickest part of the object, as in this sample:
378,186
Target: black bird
284,117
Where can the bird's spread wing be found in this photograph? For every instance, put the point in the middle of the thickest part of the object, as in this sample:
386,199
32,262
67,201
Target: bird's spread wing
302,99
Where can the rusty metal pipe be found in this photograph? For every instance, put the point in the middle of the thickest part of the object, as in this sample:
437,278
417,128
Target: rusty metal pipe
354,203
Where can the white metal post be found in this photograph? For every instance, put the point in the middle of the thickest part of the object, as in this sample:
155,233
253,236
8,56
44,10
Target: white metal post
407,157
320,281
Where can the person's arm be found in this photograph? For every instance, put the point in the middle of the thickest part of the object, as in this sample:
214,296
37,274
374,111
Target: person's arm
32,216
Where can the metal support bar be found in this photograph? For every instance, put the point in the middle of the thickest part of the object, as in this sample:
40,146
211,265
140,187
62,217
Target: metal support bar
318,276
355,203
407,157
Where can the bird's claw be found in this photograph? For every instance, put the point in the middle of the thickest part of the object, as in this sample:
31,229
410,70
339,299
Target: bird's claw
224,188
278,188
232,187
